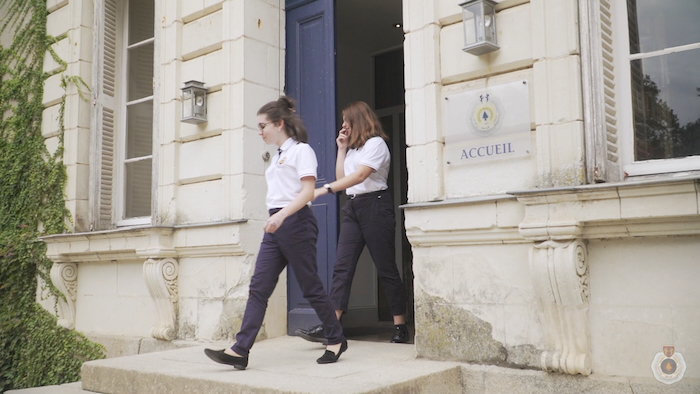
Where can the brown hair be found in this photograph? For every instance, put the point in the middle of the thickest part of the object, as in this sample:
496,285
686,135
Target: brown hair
283,109
364,124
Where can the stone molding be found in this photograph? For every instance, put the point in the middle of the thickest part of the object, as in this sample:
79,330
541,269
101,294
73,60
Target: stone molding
137,243
559,272
65,277
158,246
161,277
428,238
481,220
559,220
615,210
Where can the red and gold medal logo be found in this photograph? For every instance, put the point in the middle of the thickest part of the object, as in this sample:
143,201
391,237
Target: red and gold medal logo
668,367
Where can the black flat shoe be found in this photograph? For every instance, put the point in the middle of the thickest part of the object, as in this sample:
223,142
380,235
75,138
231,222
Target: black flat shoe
312,334
330,357
222,358
400,334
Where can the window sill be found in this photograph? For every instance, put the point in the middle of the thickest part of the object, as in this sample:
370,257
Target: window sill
663,168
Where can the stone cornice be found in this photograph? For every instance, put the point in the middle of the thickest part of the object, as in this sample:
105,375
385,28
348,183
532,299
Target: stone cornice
423,238
618,210
653,207
144,242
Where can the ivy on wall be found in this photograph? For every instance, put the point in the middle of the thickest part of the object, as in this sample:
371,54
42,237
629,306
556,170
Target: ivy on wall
34,350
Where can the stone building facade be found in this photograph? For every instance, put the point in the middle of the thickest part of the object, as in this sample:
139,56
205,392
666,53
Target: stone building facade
577,257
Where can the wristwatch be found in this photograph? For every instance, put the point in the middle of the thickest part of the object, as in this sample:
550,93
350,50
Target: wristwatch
327,186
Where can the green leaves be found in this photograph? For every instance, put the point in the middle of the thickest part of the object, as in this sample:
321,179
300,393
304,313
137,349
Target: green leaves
34,350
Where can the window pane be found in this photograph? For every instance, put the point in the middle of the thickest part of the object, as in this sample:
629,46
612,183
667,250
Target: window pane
141,15
666,101
141,72
659,24
139,134
138,189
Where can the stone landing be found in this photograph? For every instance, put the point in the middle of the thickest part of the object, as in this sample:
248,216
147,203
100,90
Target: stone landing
280,366
287,365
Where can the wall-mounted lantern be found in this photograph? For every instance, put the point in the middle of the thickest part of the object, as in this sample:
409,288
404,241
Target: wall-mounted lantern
194,102
479,22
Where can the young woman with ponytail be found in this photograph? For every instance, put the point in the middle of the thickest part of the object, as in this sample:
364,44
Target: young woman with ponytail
290,235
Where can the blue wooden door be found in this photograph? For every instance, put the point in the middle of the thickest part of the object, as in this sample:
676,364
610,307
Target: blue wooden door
310,80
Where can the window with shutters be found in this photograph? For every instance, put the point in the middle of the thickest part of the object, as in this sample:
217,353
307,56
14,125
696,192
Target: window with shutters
122,124
642,87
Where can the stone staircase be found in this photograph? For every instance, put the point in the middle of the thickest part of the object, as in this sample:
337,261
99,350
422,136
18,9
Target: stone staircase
288,365
280,366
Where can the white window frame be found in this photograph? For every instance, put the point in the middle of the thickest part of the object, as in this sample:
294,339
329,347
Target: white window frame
119,195
623,91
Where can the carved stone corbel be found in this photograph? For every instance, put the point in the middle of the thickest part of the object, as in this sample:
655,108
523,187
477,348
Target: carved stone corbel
560,274
65,277
161,278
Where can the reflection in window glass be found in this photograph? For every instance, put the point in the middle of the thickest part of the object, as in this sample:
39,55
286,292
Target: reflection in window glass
665,83
666,103
140,72
138,138
661,24
141,20
138,189
140,123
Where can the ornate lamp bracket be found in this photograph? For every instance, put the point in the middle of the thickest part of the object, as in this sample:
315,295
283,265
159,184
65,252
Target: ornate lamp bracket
161,278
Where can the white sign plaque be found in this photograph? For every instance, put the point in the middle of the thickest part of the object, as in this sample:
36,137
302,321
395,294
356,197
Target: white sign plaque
487,124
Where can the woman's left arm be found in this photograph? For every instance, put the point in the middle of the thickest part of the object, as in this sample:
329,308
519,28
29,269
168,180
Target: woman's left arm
350,180
307,194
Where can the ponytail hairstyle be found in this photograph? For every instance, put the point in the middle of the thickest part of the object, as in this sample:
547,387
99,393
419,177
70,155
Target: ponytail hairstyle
364,124
283,109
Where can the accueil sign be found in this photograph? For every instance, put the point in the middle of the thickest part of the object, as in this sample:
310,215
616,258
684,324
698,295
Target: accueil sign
487,124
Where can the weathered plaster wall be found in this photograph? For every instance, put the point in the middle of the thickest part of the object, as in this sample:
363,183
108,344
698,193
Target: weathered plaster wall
474,299
478,306
644,295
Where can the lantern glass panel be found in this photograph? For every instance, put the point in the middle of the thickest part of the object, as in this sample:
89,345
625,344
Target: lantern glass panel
490,22
187,103
471,16
199,107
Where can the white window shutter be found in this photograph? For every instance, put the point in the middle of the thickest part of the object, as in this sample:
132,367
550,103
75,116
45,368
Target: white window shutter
598,73
103,123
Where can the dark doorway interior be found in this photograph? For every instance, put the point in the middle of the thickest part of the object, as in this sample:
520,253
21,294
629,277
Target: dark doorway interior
369,58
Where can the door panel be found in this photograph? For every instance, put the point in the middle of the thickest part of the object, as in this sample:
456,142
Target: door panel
310,80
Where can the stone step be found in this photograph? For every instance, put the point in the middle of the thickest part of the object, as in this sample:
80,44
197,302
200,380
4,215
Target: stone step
288,365
68,388
280,366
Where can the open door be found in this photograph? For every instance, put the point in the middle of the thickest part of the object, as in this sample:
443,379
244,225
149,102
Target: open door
310,80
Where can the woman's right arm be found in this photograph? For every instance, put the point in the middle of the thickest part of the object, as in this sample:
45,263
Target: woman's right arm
342,142
340,164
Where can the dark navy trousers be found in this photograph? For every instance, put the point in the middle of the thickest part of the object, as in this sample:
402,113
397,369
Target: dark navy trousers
293,244
369,220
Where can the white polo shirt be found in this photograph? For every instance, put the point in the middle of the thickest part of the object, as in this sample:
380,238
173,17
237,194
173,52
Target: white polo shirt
374,154
283,177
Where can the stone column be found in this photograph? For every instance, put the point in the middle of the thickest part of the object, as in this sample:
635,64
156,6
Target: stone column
560,276
65,277
161,278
